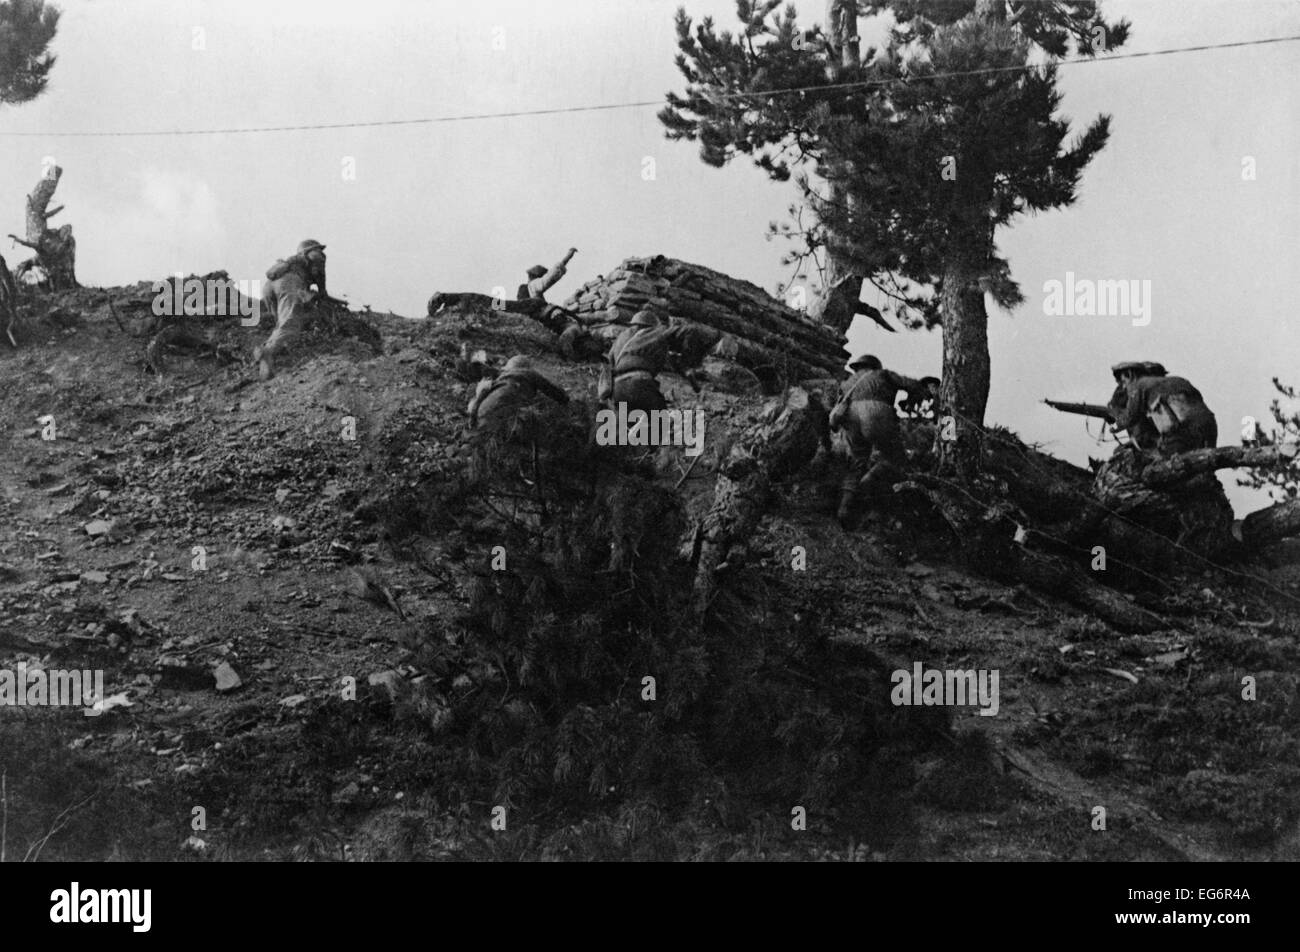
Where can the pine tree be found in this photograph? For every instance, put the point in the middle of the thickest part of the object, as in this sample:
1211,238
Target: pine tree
1279,479
26,29
910,157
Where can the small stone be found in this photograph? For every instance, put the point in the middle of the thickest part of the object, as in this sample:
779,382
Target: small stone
95,576
226,677
347,794
98,527
390,681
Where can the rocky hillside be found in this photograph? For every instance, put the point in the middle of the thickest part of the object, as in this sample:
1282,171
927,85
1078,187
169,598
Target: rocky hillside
310,652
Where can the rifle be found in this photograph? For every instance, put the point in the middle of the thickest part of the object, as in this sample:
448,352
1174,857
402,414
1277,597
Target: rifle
330,299
1082,409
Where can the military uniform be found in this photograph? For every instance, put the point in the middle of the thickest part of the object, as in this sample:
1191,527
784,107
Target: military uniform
497,401
1143,432
638,356
541,280
1169,408
289,298
866,417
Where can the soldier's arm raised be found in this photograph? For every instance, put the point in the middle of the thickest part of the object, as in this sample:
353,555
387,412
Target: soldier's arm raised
553,276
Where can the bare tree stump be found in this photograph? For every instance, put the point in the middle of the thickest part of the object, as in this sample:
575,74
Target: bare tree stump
56,249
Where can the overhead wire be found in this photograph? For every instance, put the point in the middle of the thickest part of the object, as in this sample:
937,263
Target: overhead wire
645,103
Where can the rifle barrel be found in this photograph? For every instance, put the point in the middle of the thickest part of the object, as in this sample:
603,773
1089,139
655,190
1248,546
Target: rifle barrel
1083,409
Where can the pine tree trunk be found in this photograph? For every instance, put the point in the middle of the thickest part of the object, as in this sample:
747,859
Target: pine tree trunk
964,393
8,304
837,303
842,26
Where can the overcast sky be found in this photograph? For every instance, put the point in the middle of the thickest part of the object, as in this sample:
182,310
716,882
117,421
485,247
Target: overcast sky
469,205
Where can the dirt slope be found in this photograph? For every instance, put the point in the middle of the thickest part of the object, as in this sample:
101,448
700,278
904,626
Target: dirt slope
100,567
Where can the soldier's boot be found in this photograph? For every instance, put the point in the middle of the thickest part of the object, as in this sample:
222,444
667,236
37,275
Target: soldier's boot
846,513
265,366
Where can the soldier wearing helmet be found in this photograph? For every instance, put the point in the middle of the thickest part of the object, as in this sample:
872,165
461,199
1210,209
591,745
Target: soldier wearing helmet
497,401
1162,413
642,352
865,415
289,297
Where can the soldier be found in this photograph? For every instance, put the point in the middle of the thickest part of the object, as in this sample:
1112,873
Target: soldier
290,298
517,386
1168,407
1143,432
541,280
639,355
576,342
865,413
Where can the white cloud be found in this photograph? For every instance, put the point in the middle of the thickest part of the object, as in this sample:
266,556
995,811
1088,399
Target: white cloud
170,221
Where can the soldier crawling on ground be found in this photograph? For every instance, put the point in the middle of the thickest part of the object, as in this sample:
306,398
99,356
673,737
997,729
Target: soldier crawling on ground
498,401
530,298
290,297
576,342
866,416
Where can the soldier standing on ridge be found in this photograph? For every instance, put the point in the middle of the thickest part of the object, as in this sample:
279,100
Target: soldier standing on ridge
865,412
290,298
